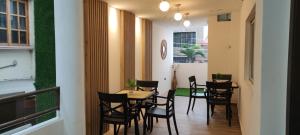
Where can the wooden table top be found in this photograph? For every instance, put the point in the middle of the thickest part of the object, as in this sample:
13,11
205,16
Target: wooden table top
137,95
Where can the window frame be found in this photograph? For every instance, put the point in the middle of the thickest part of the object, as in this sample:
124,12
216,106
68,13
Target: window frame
183,36
250,46
9,29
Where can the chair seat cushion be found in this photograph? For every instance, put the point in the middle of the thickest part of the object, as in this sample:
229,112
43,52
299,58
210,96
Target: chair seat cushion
117,118
198,95
114,120
158,112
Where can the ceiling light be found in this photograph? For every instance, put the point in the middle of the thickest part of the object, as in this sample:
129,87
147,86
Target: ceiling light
178,16
187,23
164,6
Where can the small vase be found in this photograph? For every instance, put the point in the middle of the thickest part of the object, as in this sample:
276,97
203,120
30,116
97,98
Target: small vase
174,81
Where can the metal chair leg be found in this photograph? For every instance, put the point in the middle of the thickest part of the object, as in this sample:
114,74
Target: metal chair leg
207,121
175,124
101,127
212,109
151,122
136,125
189,106
115,129
193,104
169,128
125,129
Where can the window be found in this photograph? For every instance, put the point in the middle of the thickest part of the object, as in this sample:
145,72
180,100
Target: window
250,41
190,47
224,17
182,38
14,25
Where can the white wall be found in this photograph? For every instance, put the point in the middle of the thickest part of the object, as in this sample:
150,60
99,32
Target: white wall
114,44
162,69
223,39
24,68
263,103
69,36
185,70
50,127
16,86
19,78
275,43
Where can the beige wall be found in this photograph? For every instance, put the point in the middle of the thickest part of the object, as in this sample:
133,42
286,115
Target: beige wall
115,49
138,48
162,68
114,43
250,93
223,39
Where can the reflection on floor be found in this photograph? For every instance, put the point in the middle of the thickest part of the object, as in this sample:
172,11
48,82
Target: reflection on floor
195,122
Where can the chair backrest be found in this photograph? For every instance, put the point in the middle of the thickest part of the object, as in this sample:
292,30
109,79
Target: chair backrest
116,104
226,77
193,84
170,107
217,90
147,85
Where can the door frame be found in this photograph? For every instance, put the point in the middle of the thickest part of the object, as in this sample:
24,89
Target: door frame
293,88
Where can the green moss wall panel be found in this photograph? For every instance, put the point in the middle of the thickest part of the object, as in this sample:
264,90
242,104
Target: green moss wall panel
45,53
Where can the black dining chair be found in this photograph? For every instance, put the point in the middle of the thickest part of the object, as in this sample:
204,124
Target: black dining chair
147,86
167,112
195,92
224,77
219,93
115,109
220,77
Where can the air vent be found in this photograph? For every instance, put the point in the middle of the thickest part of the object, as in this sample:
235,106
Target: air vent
224,17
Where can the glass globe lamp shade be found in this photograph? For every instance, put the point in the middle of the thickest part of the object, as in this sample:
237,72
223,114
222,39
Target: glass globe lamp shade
164,6
177,16
187,23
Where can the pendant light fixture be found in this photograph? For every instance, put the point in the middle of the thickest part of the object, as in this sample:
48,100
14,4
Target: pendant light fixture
178,15
186,22
164,6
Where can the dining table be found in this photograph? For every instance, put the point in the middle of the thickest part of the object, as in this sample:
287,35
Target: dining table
137,94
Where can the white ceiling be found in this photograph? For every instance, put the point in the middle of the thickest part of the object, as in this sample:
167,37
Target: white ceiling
197,8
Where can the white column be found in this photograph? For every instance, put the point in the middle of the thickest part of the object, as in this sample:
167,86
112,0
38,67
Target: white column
69,37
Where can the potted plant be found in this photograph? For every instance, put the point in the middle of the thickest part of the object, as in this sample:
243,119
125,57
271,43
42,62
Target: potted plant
131,84
190,51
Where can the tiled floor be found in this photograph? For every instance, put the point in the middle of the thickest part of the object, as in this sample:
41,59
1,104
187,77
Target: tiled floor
195,122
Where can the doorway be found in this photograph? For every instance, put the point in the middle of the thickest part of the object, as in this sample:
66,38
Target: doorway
293,99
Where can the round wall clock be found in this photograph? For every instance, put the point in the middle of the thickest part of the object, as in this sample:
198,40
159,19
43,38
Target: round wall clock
163,49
